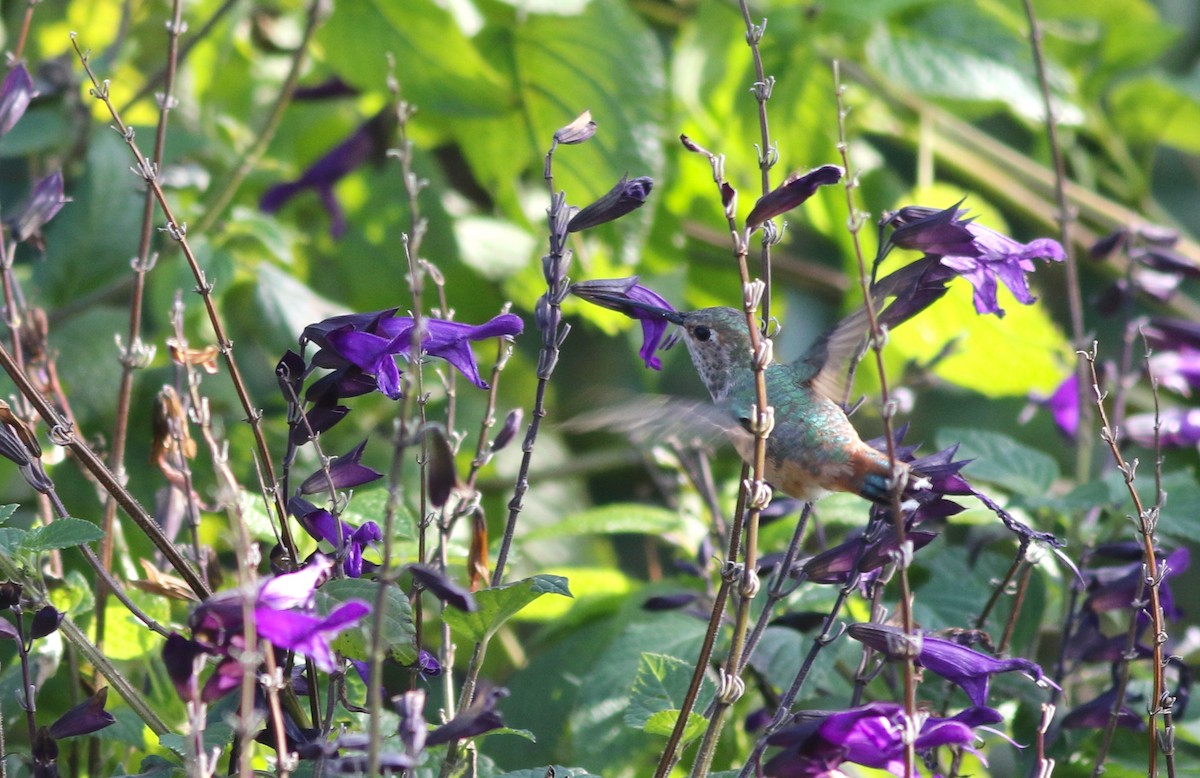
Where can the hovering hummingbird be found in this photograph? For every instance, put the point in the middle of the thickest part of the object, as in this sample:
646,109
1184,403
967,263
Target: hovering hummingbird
813,449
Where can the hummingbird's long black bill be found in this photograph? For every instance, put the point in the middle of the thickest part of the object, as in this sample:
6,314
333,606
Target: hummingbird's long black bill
621,301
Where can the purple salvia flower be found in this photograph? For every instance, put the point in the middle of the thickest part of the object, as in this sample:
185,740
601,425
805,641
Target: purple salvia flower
987,258
346,472
578,131
870,735
791,193
1064,405
308,635
443,588
1096,714
15,96
45,621
1178,371
85,718
833,566
46,200
968,669
629,297
1116,588
368,142
1180,428
628,195
371,341
183,660
323,525
477,718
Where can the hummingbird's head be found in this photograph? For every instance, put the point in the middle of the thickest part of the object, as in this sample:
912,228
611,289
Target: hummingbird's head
719,343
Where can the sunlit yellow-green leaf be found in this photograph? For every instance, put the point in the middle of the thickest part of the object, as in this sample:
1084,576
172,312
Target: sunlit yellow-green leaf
127,638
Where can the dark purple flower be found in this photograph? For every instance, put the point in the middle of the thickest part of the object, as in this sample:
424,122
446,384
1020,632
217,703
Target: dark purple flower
85,718
962,666
477,718
508,430
369,142
45,621
1164,334
317,420
870,735
15,95
346,472
305,742
333,86
791,193
833,566
427,664
44,202
443,588
626,196
1116,588
308,635
986,258
578,131
629,297
350,542
1178,371
371,341
290,373
183,660
1096,714
45,754
1064,406
1180,428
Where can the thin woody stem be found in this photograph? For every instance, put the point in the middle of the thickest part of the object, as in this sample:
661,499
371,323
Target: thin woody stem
177,231
1147,519
877,339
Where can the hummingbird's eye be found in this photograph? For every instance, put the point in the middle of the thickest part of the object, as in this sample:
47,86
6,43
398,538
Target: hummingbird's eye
702,333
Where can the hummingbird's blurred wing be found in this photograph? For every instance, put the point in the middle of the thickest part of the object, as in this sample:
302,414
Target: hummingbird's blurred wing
911,289
826,365
659,419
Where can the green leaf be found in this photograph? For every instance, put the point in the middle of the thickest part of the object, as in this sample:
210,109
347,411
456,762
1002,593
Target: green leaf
61,533
11,539
980,64
1180,518
663,723
442,70
355,642
612,519
75,596
498,604
6,512
660,686
1000,460
371,505
127,638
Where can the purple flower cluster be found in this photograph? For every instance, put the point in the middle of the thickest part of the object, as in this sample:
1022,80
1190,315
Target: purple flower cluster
283,614
979,254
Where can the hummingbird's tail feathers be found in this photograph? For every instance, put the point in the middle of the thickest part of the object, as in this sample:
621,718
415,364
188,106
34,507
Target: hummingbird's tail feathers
659,419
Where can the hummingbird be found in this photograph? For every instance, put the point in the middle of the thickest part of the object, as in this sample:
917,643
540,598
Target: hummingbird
813,448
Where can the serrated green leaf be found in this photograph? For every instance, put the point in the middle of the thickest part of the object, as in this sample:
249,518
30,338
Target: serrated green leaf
618,518
355,642
61,533
1000,460
660,685
498,604
663,723
6,512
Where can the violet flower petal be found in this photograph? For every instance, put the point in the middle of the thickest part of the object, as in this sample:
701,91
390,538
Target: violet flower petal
308,635
15,96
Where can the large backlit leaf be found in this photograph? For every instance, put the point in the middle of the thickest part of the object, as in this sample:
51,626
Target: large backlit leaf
355,642
500,603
